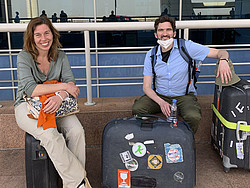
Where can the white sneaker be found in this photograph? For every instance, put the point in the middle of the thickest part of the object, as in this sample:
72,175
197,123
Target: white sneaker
82,186
87,184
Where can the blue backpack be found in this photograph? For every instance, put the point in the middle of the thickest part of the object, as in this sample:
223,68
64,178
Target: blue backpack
193,65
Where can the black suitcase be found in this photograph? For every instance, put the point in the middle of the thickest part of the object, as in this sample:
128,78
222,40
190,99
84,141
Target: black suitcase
230,129
40,171
141,152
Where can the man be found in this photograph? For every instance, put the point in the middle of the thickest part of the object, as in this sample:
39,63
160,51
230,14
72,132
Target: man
171,72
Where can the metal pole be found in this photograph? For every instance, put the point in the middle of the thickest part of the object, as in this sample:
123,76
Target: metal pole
180,16
28,4
186,33
96,55
9,45
6,11
34,8
115,6
88,69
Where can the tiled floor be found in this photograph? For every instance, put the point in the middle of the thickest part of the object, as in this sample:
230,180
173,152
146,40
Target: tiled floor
210,172
12,171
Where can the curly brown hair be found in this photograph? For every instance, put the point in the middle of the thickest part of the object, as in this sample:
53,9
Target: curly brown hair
165,18
29,42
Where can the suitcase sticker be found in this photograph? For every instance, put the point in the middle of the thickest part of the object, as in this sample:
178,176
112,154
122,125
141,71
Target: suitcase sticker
124,178
154,161
130,163
139,149
173,153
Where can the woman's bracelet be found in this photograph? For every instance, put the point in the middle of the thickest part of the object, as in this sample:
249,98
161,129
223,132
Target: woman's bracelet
66,93
57,94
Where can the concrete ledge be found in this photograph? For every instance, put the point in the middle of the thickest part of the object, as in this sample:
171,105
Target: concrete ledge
93,119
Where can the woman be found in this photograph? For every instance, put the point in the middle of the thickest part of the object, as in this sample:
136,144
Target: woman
40,61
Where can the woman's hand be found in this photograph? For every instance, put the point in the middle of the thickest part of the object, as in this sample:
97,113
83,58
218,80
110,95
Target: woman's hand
52,104
73,89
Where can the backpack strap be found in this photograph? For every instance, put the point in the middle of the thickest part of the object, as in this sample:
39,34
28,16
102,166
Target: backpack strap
191,64
153,62
183,50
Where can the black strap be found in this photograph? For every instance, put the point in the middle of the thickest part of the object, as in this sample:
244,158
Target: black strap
153,62
194,76
183,51
188,59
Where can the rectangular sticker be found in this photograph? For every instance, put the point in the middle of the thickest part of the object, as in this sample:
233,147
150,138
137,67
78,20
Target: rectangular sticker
125,156
124,178
231,143
173,153
240,150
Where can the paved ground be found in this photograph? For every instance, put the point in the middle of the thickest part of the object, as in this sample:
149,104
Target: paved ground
210,172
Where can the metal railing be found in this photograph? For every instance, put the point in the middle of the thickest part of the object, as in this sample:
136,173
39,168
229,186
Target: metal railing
121,26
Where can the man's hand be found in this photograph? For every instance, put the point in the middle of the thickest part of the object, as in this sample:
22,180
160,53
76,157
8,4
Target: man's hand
147,88
224,71
165,108
52,104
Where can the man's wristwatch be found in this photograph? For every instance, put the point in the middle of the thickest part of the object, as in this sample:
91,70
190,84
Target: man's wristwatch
226,59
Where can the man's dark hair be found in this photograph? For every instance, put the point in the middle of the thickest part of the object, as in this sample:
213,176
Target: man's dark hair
162,19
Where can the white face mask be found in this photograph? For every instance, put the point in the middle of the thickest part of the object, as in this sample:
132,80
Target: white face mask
165,43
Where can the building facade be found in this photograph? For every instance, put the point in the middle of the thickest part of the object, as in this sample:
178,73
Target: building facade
122,49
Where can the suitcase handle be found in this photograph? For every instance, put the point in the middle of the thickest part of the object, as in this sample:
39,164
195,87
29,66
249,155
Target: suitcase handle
148,116
147,121
244,133
143,181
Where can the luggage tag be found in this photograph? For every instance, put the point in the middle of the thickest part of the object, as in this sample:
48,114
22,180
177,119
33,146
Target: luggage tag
239,150
240,138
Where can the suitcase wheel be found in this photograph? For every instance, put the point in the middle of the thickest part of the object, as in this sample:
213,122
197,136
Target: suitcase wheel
226,169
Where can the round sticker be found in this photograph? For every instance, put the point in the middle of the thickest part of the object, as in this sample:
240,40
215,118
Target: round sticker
132,165
139,149
174,155
179,177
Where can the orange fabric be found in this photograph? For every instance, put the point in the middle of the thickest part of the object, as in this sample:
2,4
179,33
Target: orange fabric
46,120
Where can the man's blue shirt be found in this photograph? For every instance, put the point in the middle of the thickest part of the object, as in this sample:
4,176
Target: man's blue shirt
172,77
